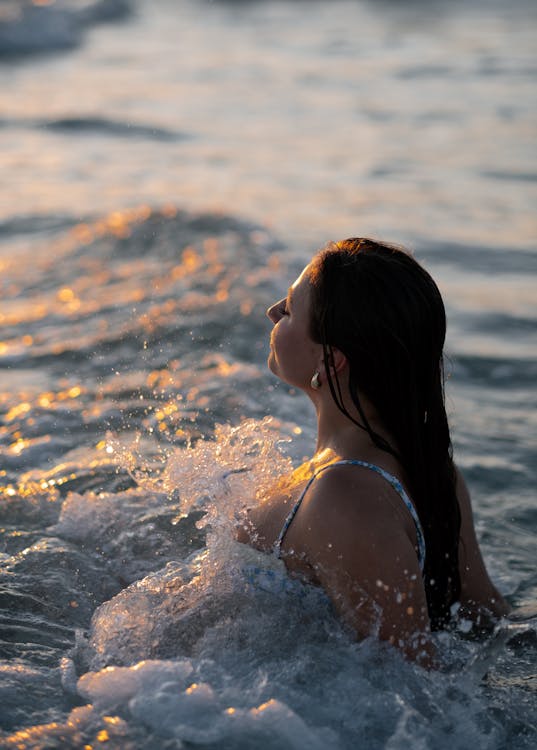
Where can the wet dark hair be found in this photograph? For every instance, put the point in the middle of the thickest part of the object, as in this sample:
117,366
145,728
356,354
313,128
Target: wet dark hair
378,306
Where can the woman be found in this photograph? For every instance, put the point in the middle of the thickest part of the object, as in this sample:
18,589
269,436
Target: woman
380,517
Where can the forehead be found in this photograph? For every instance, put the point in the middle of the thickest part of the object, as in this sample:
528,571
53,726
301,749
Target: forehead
300,288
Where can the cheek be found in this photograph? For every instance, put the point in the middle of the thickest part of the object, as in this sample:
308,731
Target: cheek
282,338
292,350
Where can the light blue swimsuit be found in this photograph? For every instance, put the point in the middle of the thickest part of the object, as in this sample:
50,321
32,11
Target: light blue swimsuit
271,580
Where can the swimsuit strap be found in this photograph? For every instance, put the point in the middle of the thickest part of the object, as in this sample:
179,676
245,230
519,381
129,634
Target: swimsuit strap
393,481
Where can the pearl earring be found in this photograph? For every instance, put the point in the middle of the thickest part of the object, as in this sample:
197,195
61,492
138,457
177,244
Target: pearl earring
315,382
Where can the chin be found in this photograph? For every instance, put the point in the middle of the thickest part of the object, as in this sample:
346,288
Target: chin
271,364
273,367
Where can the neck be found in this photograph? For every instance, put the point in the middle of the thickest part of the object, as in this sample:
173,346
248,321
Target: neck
339,436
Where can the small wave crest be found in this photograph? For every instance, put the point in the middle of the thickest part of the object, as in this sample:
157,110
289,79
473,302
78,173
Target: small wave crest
157,314
93,124
109,127
27,29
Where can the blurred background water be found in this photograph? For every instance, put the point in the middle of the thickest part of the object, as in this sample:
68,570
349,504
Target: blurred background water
167,168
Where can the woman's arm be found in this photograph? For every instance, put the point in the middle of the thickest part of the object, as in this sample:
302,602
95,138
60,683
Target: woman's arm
480,599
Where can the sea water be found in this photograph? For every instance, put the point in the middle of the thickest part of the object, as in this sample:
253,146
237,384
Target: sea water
167,169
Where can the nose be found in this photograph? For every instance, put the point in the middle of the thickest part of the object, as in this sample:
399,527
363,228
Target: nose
273,312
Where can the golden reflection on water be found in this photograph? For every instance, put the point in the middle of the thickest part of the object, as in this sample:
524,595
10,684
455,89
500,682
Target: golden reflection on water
117,284
65,735
31,488
117,223
264,706
44,400
96,295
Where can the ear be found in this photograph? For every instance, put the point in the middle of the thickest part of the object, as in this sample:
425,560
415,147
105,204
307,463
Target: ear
337,362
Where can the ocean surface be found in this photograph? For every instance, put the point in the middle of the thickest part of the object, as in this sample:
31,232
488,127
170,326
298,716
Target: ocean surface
167,169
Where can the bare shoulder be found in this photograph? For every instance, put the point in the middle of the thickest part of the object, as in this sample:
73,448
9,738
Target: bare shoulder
355,525
354,538
345,498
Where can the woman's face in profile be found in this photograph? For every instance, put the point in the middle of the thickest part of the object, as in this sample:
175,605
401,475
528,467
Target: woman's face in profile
294,356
